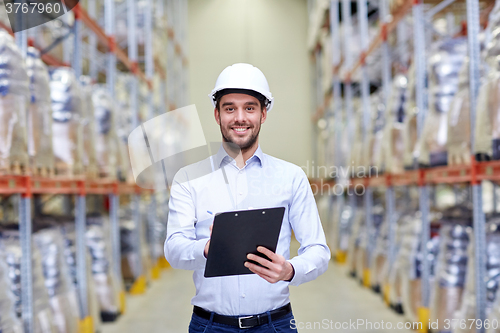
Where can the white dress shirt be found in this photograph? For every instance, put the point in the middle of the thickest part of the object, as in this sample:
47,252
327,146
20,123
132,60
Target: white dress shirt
263,182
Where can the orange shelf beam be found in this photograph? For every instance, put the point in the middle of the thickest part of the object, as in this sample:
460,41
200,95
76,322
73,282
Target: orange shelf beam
455,174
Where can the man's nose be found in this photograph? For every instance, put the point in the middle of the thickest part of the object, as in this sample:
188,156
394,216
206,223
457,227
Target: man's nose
240,115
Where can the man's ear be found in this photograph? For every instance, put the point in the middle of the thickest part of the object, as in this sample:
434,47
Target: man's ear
217,116
264,115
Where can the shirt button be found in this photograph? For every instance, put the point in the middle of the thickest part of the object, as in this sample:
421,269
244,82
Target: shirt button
241,193
243,295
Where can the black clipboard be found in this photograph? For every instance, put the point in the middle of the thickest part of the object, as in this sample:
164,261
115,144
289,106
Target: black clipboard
237,233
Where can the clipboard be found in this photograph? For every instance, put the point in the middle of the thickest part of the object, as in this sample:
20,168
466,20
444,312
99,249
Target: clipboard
237,233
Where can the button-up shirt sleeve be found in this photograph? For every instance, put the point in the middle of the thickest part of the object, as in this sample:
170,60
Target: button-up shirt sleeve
182,249
313,254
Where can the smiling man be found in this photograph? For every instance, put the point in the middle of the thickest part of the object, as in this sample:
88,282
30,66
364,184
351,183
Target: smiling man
243,177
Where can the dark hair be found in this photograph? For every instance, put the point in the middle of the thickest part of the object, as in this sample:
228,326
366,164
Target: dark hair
261,98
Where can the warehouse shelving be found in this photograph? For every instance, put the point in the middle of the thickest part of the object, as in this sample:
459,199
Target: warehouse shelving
28,185
332,104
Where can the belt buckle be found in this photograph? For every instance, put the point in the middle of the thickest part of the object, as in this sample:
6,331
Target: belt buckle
240,324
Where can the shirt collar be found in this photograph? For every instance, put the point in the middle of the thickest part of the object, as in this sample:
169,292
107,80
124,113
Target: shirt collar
222,154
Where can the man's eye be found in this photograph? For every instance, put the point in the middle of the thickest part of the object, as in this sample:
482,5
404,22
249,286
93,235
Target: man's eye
250,108
230,109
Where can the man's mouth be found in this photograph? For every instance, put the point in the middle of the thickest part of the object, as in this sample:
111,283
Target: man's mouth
240,129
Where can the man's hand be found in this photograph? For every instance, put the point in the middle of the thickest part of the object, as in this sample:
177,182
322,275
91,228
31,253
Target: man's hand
278,269
208,243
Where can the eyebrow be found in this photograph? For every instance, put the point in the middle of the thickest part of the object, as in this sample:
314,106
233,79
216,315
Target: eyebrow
232,103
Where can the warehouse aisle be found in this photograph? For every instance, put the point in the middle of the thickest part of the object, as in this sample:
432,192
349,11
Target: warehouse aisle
332,298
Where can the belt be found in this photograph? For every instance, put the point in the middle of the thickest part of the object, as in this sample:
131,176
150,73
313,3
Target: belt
245,321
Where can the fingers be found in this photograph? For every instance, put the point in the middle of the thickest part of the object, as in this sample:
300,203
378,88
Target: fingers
260,260
211,227
270,254
266,274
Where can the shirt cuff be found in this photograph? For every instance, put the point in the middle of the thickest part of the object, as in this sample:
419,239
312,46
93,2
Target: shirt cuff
199,249
301,268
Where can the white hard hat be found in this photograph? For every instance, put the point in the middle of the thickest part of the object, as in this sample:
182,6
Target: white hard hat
245,77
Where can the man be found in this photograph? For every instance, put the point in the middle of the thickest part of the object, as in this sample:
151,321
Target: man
243,177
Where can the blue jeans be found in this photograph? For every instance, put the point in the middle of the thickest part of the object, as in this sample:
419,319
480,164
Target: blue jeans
282,325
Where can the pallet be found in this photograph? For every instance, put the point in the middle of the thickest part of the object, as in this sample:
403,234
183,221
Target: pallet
458,155
63,169
15,168
43,171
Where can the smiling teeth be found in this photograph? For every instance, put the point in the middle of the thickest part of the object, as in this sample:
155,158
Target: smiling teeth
240,129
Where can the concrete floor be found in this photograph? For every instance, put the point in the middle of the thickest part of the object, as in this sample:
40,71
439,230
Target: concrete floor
332,299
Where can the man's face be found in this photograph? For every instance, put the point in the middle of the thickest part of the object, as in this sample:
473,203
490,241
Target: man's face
239,117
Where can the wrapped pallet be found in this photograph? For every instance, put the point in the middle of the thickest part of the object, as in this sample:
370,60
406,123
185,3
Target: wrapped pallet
67,130
467,310
62,293
89,159
107,284
124,126
458,143
410,122
389,280
68,231
9,322
14,103
487,141
40,149
106,139
445,61
358,140
376,153
358,232
364,259
343,214
393,137
409,268
42,311
379,264
451,268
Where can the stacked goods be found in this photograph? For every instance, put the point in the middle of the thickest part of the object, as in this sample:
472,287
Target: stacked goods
458,144
68,231
62,293
410,122
467,310
358,233
391,282
393,141
89,134
379,264
356,157
343,217
130,261
107,284
487,141
43,316
407,275
106,140
67,135
14,99
146,250
9,323
446,59
156,235
375,153
124,126
366,258
451,266
39,116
